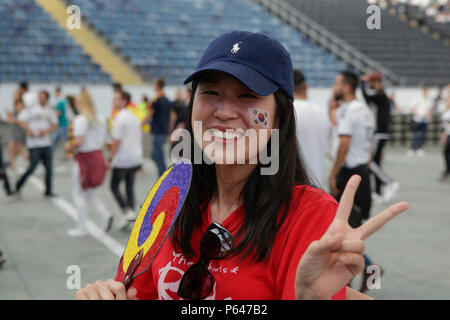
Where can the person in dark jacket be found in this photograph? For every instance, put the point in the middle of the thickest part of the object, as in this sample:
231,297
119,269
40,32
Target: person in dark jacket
377,99
161,111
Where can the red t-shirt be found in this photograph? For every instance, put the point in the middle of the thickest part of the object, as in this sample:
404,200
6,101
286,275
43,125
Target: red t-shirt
311,212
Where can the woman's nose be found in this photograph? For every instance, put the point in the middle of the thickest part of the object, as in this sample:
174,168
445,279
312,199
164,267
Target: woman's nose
225,110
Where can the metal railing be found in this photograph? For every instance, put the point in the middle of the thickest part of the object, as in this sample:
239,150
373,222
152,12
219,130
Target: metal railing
402,127
328,40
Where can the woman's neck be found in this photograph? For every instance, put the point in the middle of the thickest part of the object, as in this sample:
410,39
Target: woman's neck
230,181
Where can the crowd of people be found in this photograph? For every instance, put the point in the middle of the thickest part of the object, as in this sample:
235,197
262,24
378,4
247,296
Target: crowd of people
358,131
39,125
438,10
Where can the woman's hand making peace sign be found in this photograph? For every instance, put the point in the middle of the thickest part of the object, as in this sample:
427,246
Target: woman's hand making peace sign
331,262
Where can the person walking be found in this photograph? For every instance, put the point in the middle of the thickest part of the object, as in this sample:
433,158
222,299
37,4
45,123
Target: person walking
89,168
16,145
377,99
161,112
39,121
63,111
355,125
126,157
180,109
312,127
422,111
29,98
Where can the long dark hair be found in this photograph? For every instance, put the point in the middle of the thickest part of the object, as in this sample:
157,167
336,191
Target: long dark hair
263,195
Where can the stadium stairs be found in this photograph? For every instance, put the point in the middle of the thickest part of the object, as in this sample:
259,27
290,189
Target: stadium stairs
100,52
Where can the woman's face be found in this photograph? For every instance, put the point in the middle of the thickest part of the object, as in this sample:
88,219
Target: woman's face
235,122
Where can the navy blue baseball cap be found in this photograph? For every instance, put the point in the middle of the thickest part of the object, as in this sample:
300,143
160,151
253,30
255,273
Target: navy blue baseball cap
257,60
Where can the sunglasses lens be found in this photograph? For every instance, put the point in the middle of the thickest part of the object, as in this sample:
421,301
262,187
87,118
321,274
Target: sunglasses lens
216,243
196,283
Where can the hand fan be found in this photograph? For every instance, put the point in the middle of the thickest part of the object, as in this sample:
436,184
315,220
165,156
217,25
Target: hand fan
154,221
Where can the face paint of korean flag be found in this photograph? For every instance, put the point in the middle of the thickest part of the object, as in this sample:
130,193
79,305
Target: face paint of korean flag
259,117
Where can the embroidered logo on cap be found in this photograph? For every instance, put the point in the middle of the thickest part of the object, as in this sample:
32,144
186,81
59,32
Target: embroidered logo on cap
236,47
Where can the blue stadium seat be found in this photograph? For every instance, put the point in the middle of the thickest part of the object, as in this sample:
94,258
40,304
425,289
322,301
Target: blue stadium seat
34,48
166,38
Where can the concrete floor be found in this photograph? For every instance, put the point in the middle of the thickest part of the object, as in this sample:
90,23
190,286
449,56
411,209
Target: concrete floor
412,249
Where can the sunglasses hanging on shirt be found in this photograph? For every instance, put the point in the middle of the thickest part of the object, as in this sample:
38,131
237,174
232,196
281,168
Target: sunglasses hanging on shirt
198,282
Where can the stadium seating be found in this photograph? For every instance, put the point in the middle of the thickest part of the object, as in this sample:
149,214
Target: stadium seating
413,55
420,14
166,38
34,48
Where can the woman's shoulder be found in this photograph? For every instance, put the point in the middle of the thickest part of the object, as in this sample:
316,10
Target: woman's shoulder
310,206
311,212
308,196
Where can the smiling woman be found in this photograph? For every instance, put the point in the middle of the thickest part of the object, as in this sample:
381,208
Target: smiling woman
276,233
222,102
224,106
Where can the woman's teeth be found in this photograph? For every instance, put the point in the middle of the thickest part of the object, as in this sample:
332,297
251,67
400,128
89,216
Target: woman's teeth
226,134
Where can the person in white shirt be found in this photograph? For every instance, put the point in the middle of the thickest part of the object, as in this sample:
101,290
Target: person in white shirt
355,126
422,111
30,98
312,127
126,156
39,121
89,132
445,140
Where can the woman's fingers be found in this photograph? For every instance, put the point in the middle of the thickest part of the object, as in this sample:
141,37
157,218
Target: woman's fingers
100,290
336,243
353,261
104,291
118,289
80,295
131,293
348,196
326,244
377,222
355,246
90,291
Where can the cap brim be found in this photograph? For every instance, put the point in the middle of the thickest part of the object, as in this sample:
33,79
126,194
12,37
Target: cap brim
254,80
